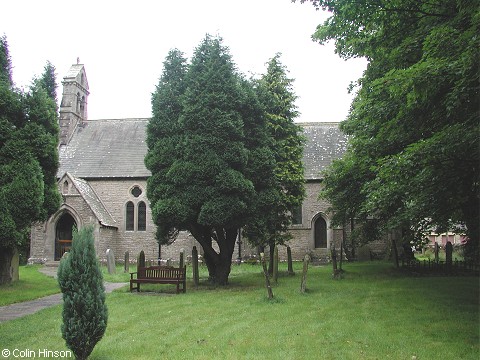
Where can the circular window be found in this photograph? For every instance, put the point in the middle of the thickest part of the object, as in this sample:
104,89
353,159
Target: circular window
136,191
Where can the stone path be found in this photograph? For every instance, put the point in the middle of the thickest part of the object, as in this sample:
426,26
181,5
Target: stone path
15,311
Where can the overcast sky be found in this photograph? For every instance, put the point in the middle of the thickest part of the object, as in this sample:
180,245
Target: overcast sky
124,43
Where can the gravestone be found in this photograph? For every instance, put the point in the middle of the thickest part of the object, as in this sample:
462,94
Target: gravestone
303,285
436,250
182,256
448,255
290,262
195,266
336,274
126,266
363,253
110,261
141,259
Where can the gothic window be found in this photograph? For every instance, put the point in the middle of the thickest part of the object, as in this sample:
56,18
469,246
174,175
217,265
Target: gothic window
129,216
297,215
142,216
320,233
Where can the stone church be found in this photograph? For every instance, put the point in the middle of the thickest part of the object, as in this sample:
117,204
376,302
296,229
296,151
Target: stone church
102,179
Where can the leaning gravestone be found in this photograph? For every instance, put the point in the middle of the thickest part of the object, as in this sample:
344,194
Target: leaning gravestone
110,261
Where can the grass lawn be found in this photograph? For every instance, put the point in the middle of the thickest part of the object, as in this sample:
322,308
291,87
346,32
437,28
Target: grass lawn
32,285
373,313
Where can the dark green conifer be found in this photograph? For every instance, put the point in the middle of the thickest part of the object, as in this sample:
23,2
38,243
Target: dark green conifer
84,310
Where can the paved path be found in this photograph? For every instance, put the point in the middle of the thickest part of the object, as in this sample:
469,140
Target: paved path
14,311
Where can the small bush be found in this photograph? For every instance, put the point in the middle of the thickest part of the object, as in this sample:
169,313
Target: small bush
84,310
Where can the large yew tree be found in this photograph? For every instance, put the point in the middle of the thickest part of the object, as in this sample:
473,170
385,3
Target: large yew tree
202,162
413,157
28,160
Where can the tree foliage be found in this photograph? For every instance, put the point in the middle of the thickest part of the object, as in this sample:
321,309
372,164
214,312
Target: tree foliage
84,312
211,155
28,158
414,122
277,98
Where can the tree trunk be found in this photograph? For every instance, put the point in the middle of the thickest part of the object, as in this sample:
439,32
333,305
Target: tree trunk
271,250
352,227
395,252
261,255
8,265
218,264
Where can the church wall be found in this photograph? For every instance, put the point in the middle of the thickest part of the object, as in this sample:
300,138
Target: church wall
37,243
115,193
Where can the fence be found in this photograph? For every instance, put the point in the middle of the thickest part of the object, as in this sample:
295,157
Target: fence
430,267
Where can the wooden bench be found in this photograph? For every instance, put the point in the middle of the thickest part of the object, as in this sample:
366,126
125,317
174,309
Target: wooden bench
159,275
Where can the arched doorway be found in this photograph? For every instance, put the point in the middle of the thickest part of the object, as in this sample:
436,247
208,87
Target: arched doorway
320,233
63,235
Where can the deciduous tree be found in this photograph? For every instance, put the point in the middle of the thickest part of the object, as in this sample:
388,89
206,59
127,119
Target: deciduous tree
414,122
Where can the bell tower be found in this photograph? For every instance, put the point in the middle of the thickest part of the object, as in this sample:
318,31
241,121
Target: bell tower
73,108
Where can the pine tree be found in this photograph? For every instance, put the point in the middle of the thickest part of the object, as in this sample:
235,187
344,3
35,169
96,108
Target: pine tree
84,310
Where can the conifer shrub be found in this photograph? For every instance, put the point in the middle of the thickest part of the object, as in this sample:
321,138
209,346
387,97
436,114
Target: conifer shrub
84,310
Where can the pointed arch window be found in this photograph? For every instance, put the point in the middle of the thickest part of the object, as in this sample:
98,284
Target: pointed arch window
129,216
142,216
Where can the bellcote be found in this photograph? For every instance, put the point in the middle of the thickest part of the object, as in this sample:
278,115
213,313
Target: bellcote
73,108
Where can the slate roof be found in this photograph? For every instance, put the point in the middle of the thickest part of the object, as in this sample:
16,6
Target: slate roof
93,201
116,149
325,142
106,149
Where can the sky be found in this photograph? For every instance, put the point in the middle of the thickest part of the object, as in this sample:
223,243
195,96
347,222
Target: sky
123,45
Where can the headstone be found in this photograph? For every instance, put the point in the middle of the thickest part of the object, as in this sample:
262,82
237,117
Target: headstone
110,261
126,266
448,255
182,261
290,262
303,285
195,266
363,253
141,260
275,264
436,250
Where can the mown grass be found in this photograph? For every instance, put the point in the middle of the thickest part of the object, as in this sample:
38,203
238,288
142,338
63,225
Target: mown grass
375,312
32,285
